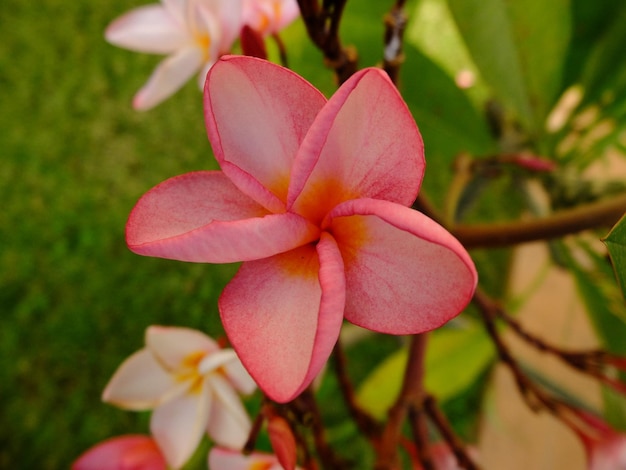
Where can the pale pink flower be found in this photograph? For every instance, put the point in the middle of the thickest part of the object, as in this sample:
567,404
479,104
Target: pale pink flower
190,383
193,33
313,197
605,447
269,16
130,452
224,459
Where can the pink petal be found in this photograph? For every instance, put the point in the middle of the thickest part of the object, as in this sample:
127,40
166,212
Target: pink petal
202,217
141,383
363,144
169,76
229,424
221,459
178,425
405,274
148,28
130,452
283,315
173,346
257,114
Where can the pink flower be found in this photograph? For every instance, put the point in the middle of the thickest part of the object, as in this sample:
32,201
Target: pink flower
190,383
222,459
269,16
131,452
313,197
193,33
605,447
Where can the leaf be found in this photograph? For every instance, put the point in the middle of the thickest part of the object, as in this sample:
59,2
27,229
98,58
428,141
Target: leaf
519,47
605,69
454,359
604,305
615,242
447,119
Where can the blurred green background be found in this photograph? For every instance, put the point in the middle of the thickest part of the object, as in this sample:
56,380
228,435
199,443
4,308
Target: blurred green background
75,158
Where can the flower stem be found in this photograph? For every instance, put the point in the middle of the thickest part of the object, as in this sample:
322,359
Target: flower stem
411,393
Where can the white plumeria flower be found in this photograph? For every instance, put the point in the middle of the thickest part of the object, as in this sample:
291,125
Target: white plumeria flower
190,383
193,33
269,16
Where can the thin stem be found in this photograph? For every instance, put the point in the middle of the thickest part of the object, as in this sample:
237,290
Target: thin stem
282,50
411,393
322,25
365,422
458,449
395,23
310,416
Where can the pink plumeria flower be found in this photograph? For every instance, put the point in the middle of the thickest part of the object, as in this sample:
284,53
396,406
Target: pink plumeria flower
313,197
190,383
130,452
222,459
269,16
193,33
605,447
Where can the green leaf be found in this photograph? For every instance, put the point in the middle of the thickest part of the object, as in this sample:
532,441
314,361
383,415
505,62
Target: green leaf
519,47
447,119
454,359
603,303
616,244
605,70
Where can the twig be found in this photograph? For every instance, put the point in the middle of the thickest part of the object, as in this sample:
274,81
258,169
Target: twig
365,422
322,25
410,394
439,419
395,23
604,213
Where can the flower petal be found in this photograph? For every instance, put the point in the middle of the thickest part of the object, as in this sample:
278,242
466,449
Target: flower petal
220,459
129,452
239,377
173,346
274,107
229,424
148,28
178,425
202,217
168,77
283,315
405,274
228,14
140,383
363,144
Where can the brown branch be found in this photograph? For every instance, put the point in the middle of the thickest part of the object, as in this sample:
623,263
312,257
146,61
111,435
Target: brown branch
410,394
368,426
457,446
322,25
395,23
603,213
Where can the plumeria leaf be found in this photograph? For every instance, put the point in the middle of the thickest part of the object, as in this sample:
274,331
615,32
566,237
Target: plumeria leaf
447,119
518,48
616,244
603,302
454,359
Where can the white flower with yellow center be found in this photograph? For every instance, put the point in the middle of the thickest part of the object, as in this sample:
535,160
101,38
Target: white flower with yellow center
193,33
191,384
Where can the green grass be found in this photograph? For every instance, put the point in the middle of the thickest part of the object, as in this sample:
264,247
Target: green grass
75,159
